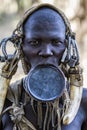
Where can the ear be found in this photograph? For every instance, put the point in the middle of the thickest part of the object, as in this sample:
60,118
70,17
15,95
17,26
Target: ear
71,54
76,83
4,84
7,70
71,58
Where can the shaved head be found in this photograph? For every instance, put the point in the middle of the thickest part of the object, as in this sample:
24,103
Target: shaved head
44,16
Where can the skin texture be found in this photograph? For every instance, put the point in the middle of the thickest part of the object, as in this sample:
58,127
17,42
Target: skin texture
44,43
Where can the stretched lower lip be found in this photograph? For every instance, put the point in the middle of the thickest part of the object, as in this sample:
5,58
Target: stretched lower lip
46,62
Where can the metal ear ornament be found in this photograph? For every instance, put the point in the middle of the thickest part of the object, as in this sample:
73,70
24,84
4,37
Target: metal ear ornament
71,54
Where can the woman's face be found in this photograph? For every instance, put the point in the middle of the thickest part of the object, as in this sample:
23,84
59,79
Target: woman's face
44,38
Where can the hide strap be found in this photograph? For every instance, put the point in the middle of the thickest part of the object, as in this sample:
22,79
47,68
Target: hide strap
16,111
20,121
39,109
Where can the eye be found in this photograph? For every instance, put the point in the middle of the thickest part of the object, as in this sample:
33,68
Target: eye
57,42
34,42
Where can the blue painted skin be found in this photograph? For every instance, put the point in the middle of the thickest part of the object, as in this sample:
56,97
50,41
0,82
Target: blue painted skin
44,43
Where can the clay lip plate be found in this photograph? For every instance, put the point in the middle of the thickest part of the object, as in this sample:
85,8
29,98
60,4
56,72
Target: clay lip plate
46,83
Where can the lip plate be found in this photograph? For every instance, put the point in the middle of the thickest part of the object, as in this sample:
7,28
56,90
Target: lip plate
46,83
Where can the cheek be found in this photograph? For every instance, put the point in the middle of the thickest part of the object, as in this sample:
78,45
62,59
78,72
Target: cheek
26,51
59,51
59,54
29,52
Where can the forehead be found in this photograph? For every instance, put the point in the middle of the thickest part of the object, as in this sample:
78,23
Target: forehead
44,19
44,14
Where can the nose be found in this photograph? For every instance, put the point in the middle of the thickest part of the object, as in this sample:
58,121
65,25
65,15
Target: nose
46,51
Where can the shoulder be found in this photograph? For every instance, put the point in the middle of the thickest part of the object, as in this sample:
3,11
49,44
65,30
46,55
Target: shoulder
84,95
14,90
84,100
